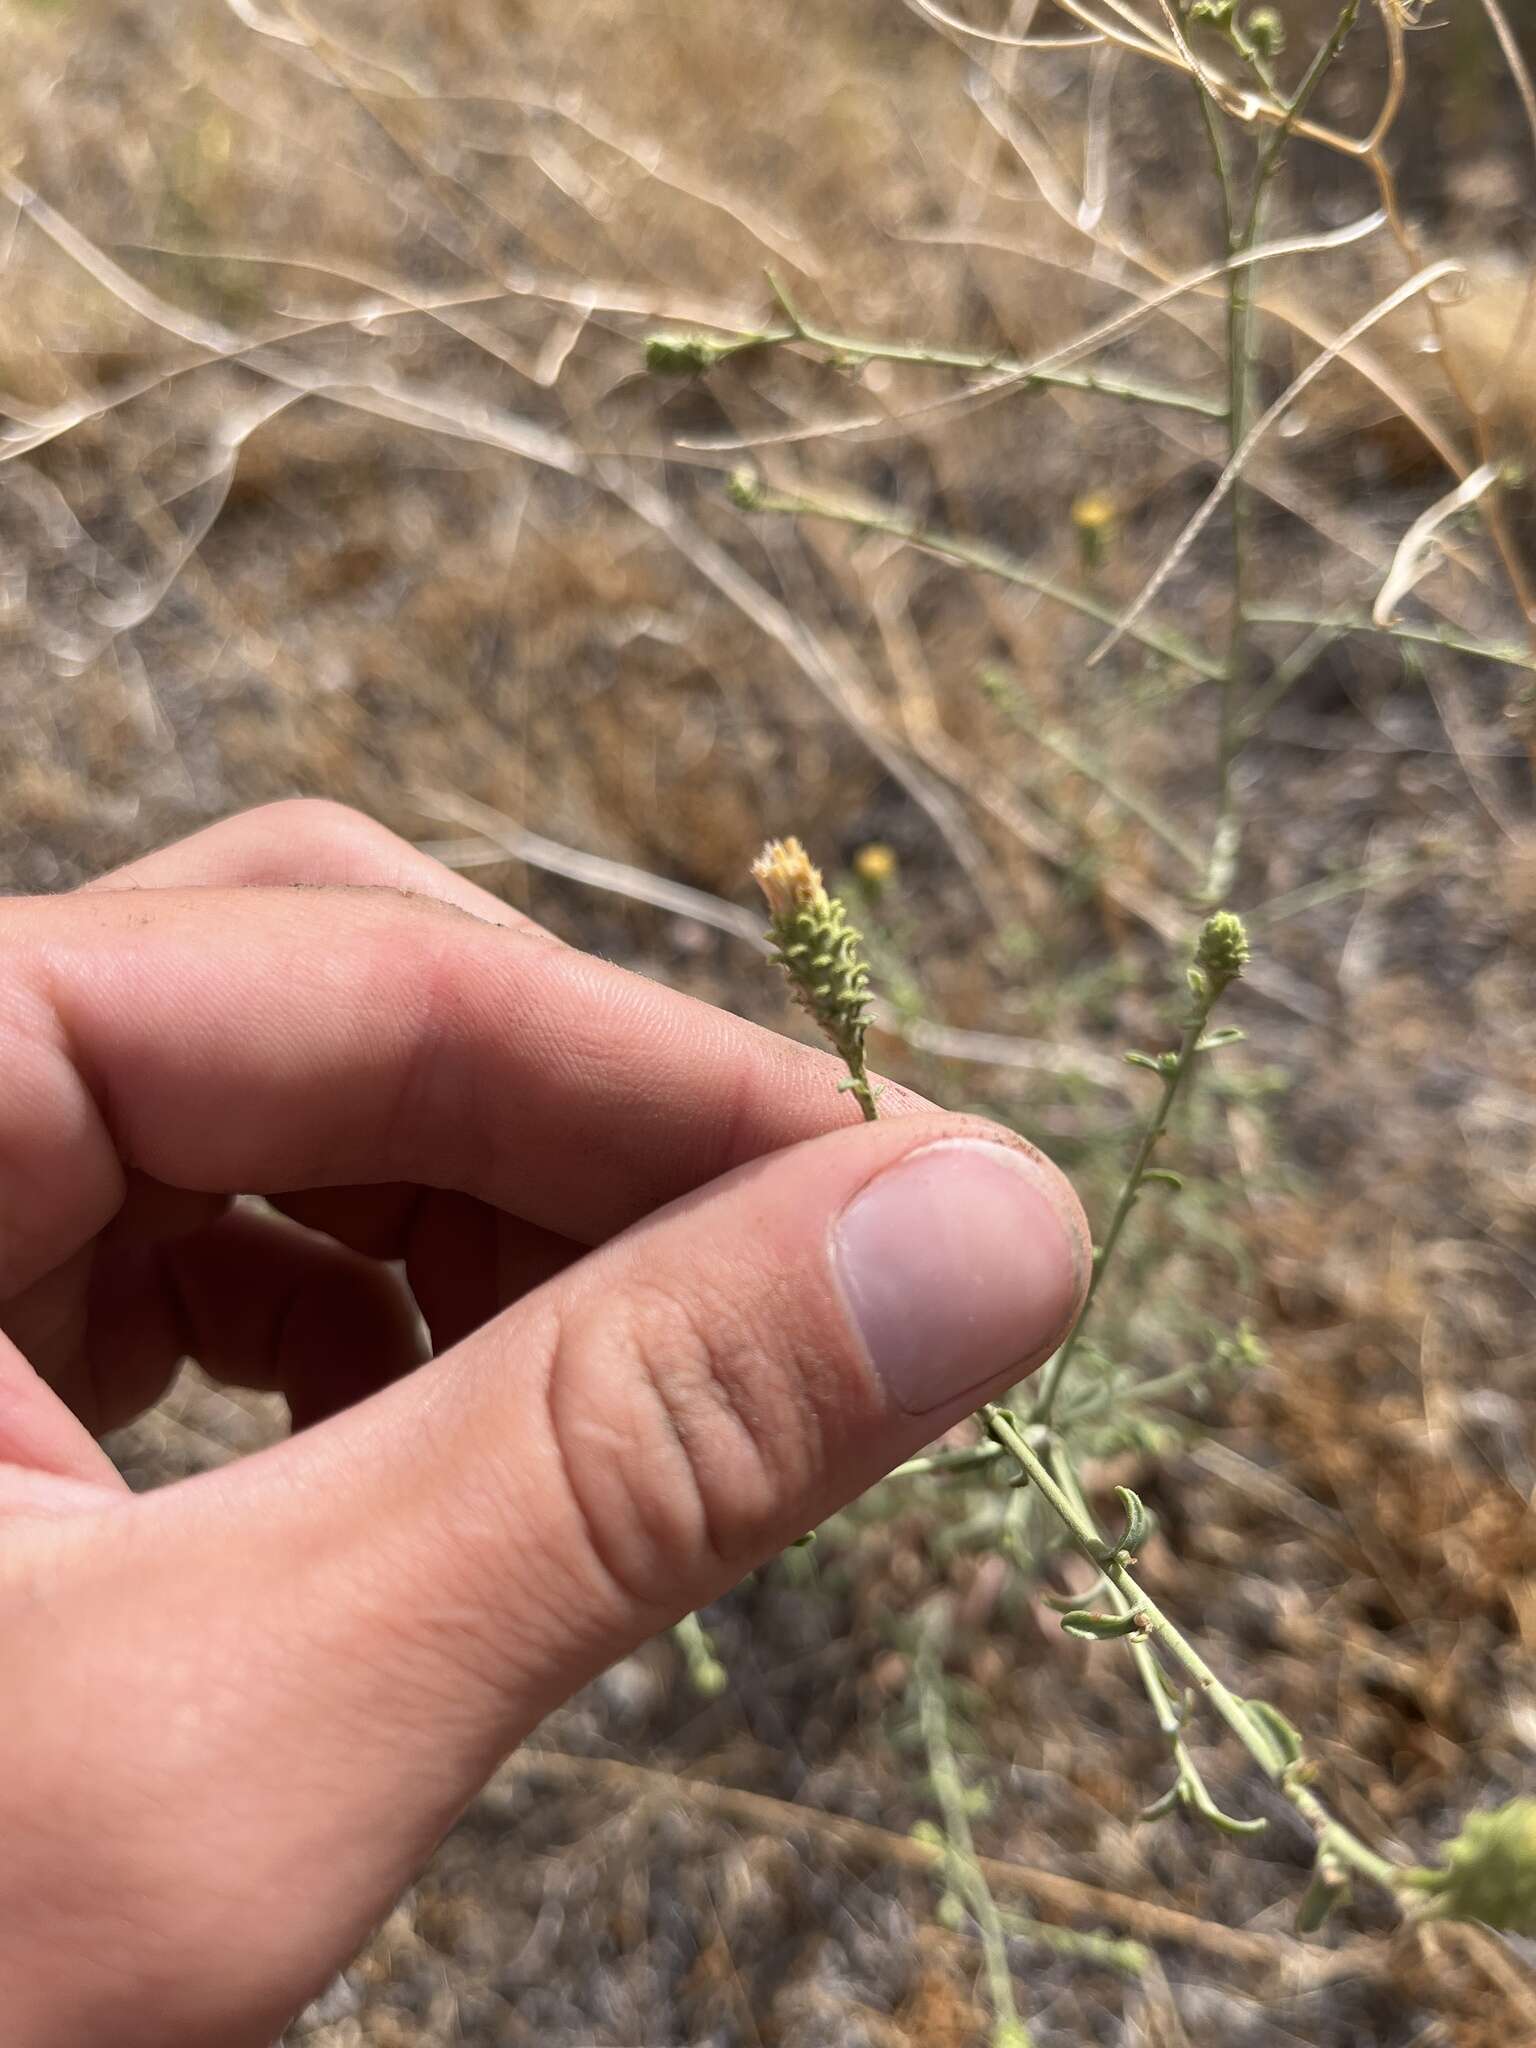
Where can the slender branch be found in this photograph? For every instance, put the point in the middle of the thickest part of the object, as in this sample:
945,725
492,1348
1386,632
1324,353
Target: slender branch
1107,1950
1507,652
1250,1730
1422,281
1173,1068
1189,1787
974,1458
755,496
706,1674
1241,240
1286,676
853,348
1312,895
961,1864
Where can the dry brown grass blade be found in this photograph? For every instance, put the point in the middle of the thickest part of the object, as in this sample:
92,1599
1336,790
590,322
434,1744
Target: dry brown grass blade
1047,1889
1520,337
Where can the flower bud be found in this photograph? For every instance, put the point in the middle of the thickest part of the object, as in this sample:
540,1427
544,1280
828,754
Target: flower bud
1094,521
1265,31
816,946
1221,952
1490,1871
680,355
744,488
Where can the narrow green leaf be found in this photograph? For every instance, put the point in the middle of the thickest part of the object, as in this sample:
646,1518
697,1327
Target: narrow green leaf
1100,1628
1138,1523
1161,1807
1285,1735
1225,1823
1066,1603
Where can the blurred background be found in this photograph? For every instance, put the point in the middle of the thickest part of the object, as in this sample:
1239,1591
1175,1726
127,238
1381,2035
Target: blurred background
333,462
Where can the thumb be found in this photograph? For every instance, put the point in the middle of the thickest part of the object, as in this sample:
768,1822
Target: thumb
626,1443
362,1621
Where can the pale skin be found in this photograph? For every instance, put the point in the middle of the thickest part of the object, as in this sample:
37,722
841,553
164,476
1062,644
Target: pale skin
237,1713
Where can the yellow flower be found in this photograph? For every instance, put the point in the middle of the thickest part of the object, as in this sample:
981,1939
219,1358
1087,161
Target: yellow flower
875,864
1094,513
1094,519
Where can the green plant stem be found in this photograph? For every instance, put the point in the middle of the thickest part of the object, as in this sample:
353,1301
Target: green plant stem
1084,1533
974,1458
1128,1957
861,349
992,562
961,1863
1241,240
1138,1393
978,1457
1285,678
1173,1081
1314,894
860,1087
1223,849
706,1674
1188,1785
1505,653
1332,1835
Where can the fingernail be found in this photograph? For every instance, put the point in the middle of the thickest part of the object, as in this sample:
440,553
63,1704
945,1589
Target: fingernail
958,1266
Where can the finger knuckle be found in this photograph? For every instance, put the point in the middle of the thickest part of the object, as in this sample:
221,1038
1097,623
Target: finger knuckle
680,1432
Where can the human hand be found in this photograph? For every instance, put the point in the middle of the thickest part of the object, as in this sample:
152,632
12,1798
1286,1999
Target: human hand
682,1310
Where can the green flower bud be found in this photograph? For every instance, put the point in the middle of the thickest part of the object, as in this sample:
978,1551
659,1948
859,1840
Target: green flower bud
1221,953
708,1678
744,488
816,946
1490,1871
680,355
1265,32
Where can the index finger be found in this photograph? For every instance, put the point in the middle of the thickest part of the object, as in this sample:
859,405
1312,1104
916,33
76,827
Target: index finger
273,1040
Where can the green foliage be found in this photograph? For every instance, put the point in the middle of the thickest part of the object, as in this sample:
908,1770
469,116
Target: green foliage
1490,1871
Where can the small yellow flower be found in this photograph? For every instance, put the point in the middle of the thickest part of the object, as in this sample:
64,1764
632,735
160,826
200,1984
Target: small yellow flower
1094,519
875,864
1094,513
